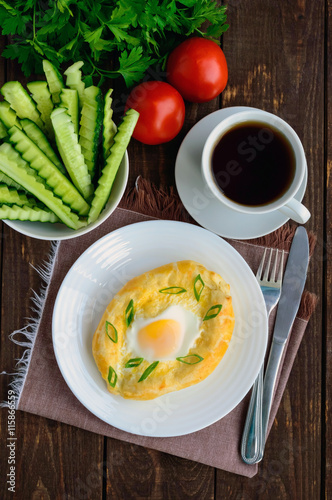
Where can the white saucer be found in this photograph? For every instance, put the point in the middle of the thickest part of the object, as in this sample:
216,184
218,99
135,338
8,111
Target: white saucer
200,202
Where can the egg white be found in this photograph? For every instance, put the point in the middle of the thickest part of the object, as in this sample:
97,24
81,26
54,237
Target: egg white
190,326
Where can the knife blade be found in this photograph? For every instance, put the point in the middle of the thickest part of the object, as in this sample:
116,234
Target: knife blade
293,284
292,288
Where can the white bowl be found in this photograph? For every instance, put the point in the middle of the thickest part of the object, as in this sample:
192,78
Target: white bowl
58,231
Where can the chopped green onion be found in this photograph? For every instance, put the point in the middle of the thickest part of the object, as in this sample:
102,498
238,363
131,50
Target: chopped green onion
191,359
112,377
130,312
113,334
149,369
134,362
198,293
173,290
210,314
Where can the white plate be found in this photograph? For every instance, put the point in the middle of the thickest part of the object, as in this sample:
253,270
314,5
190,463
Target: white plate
200,202
101,271
58,231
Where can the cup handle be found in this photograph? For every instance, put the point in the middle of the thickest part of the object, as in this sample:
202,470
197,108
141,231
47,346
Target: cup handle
296,211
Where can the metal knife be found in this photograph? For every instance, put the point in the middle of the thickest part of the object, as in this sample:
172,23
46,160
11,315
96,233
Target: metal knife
293,284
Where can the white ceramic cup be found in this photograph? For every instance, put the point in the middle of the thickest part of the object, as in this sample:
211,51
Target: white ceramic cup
286,204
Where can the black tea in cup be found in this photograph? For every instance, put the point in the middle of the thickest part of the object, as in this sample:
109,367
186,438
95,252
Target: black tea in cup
253,164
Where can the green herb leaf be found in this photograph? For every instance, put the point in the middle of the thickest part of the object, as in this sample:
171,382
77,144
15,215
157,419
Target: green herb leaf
112,377
142,33
173,290
148,371
134,362
210,314
133,65
191,359
111,332
129,312
198,287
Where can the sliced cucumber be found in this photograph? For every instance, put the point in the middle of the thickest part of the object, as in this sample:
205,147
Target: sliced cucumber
26,212
3,131
74,79
10,195
13,165
90,127
70,151
109,127
105,182
8,115
4,179
61,186
54,80
42,97
36,135
69,100
21,102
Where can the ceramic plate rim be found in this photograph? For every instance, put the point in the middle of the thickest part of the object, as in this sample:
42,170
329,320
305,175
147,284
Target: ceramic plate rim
130,228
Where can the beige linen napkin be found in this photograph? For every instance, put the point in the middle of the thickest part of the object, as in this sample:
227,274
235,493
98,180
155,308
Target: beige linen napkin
44,391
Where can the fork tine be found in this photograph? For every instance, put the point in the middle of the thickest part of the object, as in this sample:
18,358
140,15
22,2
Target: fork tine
267,268
281,268
260,269
274,270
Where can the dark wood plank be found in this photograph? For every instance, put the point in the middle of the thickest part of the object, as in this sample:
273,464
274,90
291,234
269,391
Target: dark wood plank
327,466
136,473
275,56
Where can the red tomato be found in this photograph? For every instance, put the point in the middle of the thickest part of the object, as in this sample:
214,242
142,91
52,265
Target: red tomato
197,68
161,110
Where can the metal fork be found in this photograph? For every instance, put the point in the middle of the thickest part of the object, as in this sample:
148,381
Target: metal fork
252,445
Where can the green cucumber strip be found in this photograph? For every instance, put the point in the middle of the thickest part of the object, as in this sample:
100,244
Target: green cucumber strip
3,130
34,214
74,79
42,97
90,129
21,102
109,127
105,182
4,179
54,80
149,370
61,186
70,151
13,165
11,196
39,138
8,115
69,100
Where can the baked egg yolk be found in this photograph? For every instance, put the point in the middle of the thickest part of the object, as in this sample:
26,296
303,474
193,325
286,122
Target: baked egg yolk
162,337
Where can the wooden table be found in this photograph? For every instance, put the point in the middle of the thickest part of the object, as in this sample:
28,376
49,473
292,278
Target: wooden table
277,54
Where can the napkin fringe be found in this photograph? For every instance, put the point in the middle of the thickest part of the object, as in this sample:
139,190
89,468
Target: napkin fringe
30,330
148,199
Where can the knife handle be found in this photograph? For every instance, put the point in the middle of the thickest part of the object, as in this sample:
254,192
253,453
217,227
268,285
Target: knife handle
277,349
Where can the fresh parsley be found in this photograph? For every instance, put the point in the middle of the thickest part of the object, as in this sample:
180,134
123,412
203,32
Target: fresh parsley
140,32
